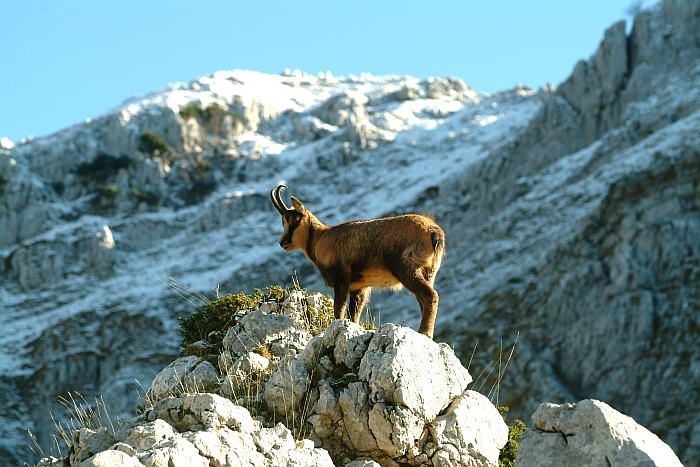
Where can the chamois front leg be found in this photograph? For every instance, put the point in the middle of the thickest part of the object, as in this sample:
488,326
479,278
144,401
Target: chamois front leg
340,299
428,305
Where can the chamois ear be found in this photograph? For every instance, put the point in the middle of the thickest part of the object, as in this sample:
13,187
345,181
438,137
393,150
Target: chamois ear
298,206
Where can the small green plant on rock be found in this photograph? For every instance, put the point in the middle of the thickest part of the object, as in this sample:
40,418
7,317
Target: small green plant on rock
103,167
149,197
191,111
153,144
211,117
109,191
508,453
319,316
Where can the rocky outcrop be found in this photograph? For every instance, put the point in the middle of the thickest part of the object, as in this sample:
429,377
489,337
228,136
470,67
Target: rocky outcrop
590,432
363,398
366,395
391,395
348,110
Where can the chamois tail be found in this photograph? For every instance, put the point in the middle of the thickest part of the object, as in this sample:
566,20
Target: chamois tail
438,239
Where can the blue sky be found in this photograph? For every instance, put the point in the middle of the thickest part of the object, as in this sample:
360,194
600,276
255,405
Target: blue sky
65,61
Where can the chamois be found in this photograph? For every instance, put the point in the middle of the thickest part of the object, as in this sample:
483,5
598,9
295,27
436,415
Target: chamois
353,257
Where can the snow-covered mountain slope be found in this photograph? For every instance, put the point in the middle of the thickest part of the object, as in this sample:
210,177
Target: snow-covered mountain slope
80,316
571,217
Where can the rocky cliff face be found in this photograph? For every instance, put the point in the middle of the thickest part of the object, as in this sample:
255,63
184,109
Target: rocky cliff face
571,217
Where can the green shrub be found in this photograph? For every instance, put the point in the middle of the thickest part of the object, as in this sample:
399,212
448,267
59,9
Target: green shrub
508,453
214,115
203,332
200,169
109,191
153,144
210,323
319,317
103,166
191,111
149,197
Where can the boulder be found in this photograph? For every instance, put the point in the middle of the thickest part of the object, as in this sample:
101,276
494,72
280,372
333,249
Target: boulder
473,426
439,87
590,433
408,92
175,452
282,334
143,436
87,442
186,374
110,459
193,412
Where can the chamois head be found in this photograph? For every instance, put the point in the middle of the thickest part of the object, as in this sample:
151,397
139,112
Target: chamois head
295,221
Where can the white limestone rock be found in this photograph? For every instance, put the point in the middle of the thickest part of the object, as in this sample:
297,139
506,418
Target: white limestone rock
285,390
282,334
87,442
590,433
278,445
362,463
409,91
6,143
249,363
175,452
143,437
101,254
186,374
227,447
193,412
473,426
439,87
110,459
400,364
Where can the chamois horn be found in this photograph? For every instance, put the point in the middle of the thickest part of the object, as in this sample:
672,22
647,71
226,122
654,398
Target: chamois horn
277,200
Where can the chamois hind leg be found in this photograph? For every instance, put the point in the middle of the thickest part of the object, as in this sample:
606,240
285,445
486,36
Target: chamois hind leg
420,286
358,299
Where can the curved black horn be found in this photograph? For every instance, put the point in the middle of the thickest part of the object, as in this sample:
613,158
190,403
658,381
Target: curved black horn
277,200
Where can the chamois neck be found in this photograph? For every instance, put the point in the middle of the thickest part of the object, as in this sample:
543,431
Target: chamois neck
316,224
315,227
